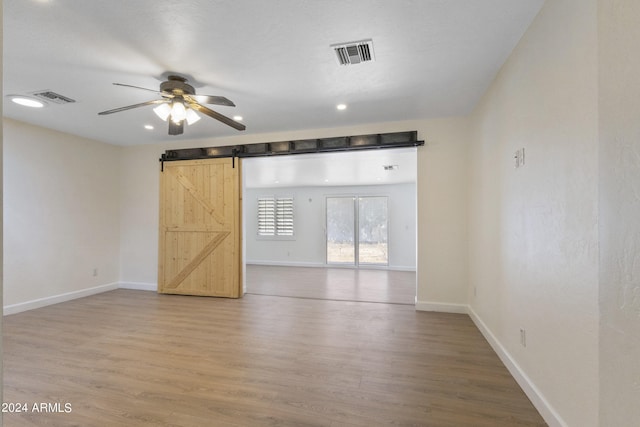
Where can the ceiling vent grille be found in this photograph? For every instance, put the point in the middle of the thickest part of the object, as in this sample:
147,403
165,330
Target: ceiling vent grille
354,52
50,96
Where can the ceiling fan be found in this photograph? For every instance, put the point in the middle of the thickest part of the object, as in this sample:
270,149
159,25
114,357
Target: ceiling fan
179,103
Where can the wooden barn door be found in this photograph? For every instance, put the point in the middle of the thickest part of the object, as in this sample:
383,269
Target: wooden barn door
200,220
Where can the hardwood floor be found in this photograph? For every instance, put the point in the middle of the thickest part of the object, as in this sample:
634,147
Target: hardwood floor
344,284
136,358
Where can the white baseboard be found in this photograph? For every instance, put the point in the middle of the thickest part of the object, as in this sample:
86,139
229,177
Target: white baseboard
322,265
56,299
400,268
441,307
138,286
537,398
286,264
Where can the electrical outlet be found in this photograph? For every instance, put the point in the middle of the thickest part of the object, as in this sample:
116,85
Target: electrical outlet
523,337
95,272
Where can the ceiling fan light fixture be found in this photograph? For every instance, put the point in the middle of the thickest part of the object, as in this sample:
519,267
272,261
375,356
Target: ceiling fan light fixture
192,116
178,112
163,111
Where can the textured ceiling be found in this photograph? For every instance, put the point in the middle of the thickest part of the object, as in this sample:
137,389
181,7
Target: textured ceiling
434,58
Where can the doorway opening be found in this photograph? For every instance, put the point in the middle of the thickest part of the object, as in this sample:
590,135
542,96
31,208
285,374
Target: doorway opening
322,166
351,225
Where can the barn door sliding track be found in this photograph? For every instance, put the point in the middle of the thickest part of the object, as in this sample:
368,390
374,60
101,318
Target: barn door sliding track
303,146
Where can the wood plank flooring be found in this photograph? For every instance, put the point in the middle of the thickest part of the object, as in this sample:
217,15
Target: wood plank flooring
136,358
344,284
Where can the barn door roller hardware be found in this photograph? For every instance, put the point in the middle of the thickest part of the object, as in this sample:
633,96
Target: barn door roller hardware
303,146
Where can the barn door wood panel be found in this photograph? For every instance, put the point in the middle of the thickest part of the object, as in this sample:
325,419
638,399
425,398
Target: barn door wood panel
200,250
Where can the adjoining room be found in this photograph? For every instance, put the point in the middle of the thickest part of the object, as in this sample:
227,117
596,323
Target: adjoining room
336,225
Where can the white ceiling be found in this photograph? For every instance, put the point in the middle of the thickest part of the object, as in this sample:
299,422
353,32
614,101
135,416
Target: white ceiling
434,58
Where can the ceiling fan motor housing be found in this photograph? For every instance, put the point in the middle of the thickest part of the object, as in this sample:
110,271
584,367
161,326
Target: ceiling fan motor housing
177,86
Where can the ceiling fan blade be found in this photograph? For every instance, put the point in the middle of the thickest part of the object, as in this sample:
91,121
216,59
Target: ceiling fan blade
176,128
208,99
138,87
213,114
129,107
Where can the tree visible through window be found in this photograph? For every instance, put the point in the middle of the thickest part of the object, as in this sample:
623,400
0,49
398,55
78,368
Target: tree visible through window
275,216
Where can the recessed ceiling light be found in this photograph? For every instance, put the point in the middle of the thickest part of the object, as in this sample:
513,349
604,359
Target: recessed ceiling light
27,102
237,118
148,127
341,106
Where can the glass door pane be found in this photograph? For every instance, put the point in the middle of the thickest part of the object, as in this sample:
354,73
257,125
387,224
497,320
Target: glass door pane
373,242
341,230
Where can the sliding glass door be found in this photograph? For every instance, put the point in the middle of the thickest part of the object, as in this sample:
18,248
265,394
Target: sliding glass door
341,226
357,230
373,241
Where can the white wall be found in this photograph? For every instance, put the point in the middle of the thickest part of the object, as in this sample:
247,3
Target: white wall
533,230
619,72
309,245
443,198
442,204
61,214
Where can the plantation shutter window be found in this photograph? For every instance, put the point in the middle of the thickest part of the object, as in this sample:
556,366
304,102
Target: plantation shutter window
266,216
284,216
275,216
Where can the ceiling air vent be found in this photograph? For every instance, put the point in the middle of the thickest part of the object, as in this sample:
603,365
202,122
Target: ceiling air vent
354,52
50,96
